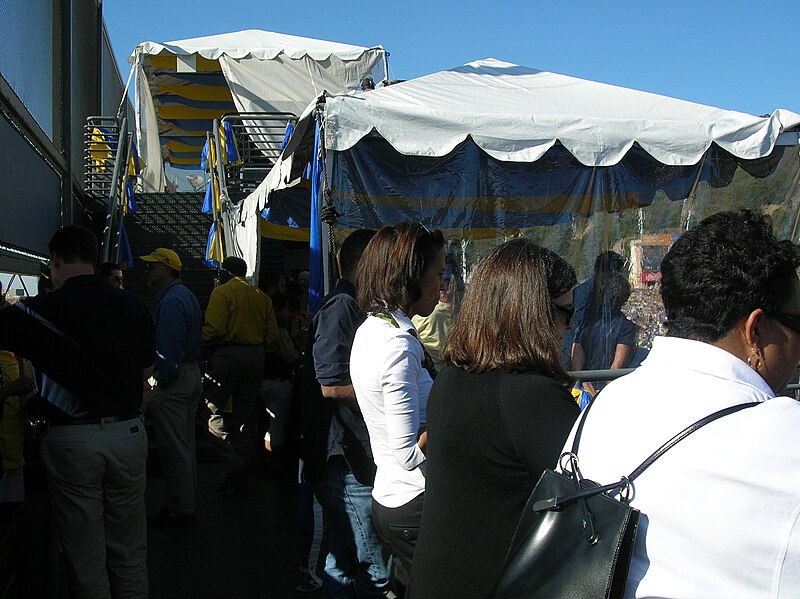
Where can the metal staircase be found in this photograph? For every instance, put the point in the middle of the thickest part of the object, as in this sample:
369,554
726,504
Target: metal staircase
174,221
171,220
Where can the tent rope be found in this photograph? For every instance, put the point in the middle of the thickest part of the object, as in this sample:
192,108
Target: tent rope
327,213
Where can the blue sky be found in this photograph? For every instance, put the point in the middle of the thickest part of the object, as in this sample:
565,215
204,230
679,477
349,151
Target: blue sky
735,54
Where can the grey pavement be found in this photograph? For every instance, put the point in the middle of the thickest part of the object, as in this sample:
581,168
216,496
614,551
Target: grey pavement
241,546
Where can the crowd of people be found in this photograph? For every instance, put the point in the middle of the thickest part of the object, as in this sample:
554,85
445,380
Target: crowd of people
426,418
645,309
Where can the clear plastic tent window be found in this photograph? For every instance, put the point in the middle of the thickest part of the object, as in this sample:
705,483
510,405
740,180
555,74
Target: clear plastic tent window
635,208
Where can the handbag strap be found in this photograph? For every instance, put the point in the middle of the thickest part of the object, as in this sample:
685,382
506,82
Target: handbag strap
558,502
669,444
578,432
686,432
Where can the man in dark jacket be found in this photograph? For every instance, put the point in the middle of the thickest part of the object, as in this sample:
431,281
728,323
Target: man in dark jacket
337,454
92,347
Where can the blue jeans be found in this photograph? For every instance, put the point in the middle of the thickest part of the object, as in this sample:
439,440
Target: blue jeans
357,562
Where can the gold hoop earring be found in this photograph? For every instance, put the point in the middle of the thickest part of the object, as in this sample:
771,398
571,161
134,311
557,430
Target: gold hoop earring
754,364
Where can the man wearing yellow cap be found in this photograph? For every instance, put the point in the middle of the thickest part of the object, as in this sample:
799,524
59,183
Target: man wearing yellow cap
177,322
241,323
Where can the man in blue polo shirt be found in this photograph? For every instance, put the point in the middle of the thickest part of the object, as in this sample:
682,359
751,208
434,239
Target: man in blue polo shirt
177,321
92,348
336,449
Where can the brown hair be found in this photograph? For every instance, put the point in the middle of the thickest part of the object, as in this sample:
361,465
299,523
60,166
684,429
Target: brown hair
389,271
506,319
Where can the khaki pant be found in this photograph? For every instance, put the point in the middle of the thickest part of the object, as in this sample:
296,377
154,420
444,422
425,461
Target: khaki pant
173,414
96,476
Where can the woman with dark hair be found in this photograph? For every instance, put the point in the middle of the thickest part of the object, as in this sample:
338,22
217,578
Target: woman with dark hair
606,337
498,416
399,276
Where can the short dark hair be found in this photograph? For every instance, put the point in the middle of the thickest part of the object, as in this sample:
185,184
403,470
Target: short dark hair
106,268
235,265
389,271
721,270
609,261
73,243
352,249
506,318
617,291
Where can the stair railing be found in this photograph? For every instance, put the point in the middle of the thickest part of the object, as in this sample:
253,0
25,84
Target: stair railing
107,154
122,198
116,195
100,141
258,137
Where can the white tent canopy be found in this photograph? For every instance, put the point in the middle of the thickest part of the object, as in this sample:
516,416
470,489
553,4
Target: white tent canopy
515,113
254,43
264,71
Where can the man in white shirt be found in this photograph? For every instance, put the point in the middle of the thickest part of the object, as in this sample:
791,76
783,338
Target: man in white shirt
721,509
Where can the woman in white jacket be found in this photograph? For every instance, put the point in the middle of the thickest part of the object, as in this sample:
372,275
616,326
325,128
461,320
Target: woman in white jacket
399,276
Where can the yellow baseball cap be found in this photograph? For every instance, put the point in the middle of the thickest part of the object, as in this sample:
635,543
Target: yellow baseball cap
164,256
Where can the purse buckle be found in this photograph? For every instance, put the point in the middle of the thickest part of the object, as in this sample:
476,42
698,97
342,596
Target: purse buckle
568,464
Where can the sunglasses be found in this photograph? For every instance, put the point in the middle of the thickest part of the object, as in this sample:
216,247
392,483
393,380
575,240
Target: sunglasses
791,321
567,312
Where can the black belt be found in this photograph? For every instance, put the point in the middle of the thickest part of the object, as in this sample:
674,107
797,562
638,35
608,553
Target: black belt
100,421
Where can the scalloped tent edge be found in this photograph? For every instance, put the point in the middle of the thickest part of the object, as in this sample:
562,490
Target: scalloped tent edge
516,114
513,120
255,43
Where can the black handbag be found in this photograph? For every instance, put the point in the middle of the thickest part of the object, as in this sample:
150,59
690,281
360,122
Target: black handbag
575,538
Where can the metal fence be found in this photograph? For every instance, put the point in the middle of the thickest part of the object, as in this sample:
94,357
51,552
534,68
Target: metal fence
259,136
599,376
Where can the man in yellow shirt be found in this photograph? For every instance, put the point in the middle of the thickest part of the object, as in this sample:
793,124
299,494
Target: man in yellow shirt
433,329
241,323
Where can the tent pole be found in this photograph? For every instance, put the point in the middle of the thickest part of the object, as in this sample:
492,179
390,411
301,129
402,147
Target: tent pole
127,87
688,203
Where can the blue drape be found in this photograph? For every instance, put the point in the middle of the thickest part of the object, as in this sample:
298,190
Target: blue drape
125,253
204,156
316,274
207,206
132,207
287,135
372,184
209,245
230,144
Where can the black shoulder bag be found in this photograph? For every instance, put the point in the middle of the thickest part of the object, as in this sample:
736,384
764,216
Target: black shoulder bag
574,540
